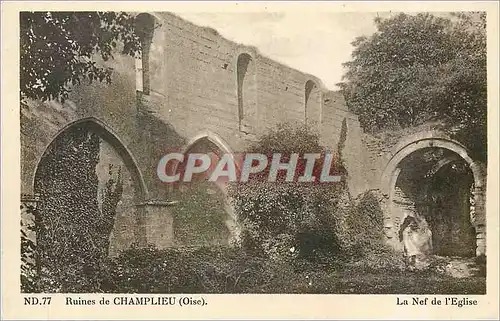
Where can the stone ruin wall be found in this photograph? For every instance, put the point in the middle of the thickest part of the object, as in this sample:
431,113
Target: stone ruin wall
193,88
201,84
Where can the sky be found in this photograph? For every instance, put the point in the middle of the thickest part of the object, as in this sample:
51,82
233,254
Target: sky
315,43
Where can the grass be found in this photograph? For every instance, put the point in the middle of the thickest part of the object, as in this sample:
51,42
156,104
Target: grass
352,282
210,270
225,270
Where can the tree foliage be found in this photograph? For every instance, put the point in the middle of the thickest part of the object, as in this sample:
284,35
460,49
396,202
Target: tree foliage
57,49
420,67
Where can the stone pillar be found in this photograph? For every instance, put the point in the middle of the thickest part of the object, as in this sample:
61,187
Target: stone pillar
28,202
28,206
28,251
478,219
390,226
155,224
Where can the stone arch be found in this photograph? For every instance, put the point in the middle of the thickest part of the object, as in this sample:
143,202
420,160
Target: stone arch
435,139
107,134
401,151
217,141
443,162
106,203
212,138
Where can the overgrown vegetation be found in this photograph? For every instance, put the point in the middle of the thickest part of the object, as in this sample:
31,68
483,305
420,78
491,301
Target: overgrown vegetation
292,231
280,218
232,270
310,226
72,230
188,270
363,234
200,217
297,237
57,49
415,68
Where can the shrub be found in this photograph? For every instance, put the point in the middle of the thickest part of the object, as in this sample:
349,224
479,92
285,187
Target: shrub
363,225
283,220
231,270
363,243
199,219
280,220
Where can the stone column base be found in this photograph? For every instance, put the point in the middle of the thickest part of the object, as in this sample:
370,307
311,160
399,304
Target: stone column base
155,224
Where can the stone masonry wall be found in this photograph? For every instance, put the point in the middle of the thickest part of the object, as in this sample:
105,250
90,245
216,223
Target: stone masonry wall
193,79
195,86
199,83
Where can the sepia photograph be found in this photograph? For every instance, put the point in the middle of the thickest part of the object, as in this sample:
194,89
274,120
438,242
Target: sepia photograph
250,152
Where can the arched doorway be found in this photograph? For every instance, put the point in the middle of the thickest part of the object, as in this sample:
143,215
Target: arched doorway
204,215
434,177
89,185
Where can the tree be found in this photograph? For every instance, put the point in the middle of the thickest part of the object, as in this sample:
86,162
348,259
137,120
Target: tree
57,49
415,68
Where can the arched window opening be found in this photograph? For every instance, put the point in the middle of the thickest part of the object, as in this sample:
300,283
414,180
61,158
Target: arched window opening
312,103
144,28
243,64
309,87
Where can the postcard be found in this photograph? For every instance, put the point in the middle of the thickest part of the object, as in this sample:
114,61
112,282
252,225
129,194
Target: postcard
250,160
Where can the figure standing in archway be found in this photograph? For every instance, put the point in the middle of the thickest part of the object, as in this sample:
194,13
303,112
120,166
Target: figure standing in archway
416,238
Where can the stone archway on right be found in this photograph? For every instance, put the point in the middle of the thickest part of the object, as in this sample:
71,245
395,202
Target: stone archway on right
435,177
